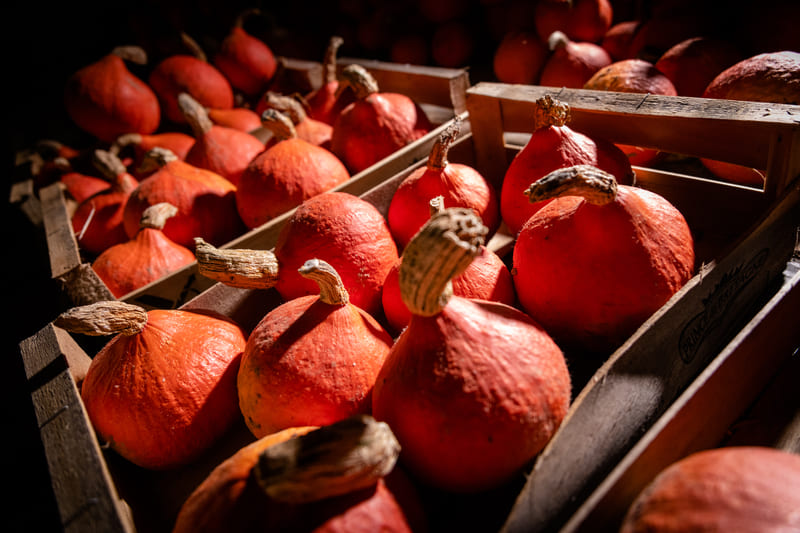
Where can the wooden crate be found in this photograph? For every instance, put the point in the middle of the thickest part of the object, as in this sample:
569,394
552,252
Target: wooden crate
745,240
440,91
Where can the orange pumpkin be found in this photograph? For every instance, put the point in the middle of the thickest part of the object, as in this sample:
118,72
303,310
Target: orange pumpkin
693,63
142,391
580,20
245,60
571,63
748,489
290,171
327,101
519,58
311,361
192,74
106,100
221,149
597,260
470,403
458,184
150,255
554,144
307,128
98,220
205,200
376,124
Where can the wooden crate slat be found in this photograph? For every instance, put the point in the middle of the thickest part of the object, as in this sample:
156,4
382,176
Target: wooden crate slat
81,482
699,419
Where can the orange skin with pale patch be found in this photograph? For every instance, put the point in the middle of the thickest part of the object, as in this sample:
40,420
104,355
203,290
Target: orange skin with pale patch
164,396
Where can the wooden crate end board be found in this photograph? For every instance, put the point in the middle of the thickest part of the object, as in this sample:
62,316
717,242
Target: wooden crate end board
699,419
86,497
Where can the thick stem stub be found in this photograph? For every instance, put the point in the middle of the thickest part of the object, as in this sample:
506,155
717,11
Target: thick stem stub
596,186
442,249
279,124
550,112
359,79
330,461
241,268
103,318
437,159
156,215
331,288
196,115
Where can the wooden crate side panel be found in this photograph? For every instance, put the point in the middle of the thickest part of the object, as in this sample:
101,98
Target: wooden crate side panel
61,242
746,133
701,417
639,381
81,482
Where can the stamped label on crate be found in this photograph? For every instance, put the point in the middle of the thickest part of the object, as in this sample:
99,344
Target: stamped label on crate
717,304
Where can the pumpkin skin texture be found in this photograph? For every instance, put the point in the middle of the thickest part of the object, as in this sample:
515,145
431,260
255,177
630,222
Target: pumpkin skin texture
633,76
345,231
693,63
284,176
472,394
310,362
592,274
376,125
554,145
106,100
238,118
147,257
177,142
205,200
747,489
82,186
486,278
163,396
768,77
617,40
185,73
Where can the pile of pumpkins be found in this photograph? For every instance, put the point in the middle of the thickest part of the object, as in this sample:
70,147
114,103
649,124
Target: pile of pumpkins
407,318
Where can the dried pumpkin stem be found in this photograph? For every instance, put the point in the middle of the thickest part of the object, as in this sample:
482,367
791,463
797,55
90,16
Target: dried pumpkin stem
329,61
557,40
195,114
241,268
156,158
279,124
436,205
134,54
437,159
108,164
592,184
193,47
103,318
123,141
331,288
286,104
156,215
550,112
359,79
441,250
330,461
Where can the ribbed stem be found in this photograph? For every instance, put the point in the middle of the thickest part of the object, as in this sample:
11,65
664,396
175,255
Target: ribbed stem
331,288
134,54
329,61
287,105
156,158
103,318
155,216
442,249
245,269
279,124
108,164
437,159
359,79
592,184
195,114
335,459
